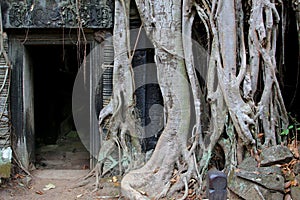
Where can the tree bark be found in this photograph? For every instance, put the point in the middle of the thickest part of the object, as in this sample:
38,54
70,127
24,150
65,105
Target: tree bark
159,17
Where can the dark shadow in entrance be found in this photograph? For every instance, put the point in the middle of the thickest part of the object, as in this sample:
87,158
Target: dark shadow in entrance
57,144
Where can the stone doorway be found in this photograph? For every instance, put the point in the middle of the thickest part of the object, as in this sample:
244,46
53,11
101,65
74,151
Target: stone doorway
42,77
53,69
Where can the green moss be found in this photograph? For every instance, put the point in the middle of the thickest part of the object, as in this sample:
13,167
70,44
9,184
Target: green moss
230,176
5,170
72,134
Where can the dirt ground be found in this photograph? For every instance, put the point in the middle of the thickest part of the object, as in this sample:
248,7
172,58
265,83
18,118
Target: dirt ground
68,185
58,185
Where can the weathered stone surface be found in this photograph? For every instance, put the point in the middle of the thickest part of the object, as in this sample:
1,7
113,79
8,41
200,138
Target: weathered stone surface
296,168
57,13
295,193
250,164
5,123
276,195
275,155
297,178
270,181
247,189
287,197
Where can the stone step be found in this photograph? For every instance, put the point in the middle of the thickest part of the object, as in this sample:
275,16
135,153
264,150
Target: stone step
60,174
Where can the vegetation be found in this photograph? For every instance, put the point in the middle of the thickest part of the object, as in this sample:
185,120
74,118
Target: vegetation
237,107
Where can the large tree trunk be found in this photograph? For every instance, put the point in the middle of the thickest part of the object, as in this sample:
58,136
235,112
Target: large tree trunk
155,177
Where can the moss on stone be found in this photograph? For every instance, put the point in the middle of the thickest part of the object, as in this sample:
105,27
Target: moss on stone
5,170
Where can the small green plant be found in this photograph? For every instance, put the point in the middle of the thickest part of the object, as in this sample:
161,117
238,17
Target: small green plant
294,126
287,131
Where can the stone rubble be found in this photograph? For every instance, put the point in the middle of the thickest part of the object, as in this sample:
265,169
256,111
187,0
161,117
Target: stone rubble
267,181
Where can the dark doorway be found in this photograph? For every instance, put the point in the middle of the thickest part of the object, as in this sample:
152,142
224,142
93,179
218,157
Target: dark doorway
57,143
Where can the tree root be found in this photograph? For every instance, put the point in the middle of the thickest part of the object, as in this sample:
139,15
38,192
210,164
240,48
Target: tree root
160,177
186,191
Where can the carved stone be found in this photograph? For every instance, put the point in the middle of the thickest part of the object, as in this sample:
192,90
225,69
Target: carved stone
57,14
275,155
247,189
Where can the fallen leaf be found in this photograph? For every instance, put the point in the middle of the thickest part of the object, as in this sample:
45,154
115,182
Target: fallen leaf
257,158
296,153
287,190
19,176
117,184
142,192
49,187
293,162
114,179
156,170
39,192
294,183
173,180
260,135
